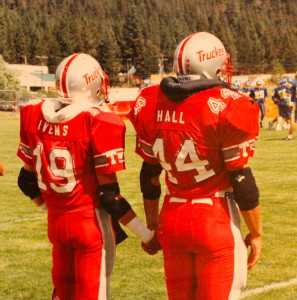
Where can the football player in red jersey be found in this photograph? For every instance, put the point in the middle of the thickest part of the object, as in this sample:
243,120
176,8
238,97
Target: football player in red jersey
202,133
72,148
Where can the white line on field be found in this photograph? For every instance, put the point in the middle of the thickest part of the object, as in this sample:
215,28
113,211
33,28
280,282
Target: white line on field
22,220
269,287
135,202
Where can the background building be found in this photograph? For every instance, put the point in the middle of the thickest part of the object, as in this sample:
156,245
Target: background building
34,78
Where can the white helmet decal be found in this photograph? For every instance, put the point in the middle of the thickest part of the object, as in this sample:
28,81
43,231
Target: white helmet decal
202,54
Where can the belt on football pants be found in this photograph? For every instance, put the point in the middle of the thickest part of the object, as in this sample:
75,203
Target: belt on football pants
227,193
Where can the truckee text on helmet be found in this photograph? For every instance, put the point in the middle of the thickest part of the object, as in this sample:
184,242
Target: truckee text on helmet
203,55
90,78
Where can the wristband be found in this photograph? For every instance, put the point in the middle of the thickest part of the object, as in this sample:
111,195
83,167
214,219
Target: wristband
140,230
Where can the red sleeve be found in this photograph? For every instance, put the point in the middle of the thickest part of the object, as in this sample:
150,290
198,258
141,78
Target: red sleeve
141,117
24,152
108,143
239,128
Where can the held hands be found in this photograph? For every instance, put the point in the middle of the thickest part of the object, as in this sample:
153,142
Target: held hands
255,243
151,247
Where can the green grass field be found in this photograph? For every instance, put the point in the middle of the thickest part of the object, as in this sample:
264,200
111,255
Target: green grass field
25,253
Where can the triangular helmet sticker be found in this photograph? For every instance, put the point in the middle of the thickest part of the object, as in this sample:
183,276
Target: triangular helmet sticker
226,93
216,105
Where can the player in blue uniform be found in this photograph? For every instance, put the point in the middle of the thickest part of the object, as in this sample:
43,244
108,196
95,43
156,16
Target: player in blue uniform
293,86
270,124
282,97
236,85
259,93
246,89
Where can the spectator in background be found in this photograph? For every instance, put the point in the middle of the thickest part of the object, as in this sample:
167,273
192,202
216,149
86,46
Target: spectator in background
259,93
1,168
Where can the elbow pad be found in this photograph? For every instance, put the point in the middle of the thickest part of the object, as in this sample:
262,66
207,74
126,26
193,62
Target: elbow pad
108,193
149,190
116,207
28,184
245,190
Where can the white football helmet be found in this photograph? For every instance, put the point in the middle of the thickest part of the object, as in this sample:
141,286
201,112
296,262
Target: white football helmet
79,78
202,54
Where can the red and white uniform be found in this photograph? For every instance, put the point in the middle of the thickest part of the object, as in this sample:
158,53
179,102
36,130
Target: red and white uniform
66,156
196,142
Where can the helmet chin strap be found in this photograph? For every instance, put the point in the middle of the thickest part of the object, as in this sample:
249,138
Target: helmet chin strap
206,75
102,100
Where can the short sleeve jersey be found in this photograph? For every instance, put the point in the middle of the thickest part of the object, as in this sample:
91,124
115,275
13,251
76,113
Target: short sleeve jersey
259,94
67,156
281,94
198,140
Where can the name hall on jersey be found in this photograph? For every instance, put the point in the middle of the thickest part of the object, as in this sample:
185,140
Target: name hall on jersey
170,116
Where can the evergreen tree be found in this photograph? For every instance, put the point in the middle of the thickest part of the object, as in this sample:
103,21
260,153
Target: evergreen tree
134,43
64,38
108,55
277,71
255,32
8,79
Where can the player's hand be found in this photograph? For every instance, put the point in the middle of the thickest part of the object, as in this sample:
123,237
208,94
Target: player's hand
152,247
255,243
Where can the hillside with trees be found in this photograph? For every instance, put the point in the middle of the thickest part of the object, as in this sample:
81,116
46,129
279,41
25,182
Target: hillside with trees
122,33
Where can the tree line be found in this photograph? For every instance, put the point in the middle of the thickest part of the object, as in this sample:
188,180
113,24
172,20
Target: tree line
120,33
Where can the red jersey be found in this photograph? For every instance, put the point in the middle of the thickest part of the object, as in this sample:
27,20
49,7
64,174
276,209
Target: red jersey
197,140
67,155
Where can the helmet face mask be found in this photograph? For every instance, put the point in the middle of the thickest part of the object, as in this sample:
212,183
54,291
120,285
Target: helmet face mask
202,55
226,70
79,78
